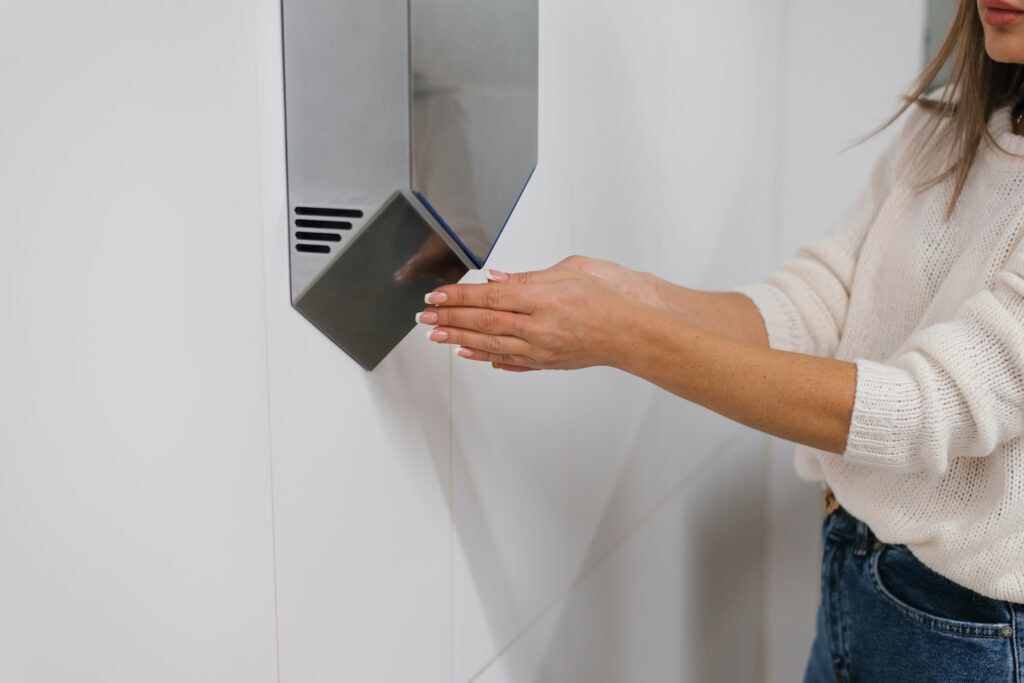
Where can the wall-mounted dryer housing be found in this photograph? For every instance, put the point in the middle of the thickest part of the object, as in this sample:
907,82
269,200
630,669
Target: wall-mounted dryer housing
411,129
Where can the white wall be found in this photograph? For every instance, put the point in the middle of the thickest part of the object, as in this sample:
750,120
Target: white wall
844,67
135,511
197,485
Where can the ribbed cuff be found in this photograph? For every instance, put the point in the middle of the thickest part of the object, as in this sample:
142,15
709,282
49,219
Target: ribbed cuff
781,318
887,416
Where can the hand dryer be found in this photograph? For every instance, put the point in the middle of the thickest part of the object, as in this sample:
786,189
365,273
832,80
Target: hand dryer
411,132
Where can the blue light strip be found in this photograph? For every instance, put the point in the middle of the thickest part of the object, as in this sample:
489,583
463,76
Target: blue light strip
451,232
472,256
528,178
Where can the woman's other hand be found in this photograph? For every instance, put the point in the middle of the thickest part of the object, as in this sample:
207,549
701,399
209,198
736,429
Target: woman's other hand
727,313
640,286
564,317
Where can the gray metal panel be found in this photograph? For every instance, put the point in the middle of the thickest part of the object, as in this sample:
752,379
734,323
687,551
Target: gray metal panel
346,70
474,111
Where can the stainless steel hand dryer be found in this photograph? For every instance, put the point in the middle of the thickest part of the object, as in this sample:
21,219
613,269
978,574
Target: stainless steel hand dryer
411,131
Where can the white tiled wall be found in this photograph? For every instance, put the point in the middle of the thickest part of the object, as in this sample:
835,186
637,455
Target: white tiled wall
680,599
196,485
846,68
135,516
670,177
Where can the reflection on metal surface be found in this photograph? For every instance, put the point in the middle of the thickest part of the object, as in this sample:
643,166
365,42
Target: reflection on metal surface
365,299
474,112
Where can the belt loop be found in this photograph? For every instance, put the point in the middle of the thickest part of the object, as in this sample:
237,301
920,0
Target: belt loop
863,538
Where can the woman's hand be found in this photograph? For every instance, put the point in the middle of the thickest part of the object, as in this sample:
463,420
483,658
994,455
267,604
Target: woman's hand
727,313
559,318
640,286
565,318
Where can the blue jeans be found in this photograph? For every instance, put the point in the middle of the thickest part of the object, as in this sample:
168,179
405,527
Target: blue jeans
886,618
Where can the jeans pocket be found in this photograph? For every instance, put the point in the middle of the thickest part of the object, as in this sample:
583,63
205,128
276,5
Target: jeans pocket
932,600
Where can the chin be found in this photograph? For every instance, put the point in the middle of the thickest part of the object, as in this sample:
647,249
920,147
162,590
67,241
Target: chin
1005,48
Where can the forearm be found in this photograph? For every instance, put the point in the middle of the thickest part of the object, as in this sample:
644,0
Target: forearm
801,398
729,314
567,318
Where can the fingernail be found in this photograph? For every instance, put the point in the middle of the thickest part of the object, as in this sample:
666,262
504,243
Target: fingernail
496,275
426,318
464,352
437,335
436,298
495,366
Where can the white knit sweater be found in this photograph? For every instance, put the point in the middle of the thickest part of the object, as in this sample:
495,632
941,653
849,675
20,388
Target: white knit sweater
932,313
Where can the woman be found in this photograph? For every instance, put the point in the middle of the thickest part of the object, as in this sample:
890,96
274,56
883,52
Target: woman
891,350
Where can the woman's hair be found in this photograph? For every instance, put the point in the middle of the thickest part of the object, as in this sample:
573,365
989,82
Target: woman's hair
977,86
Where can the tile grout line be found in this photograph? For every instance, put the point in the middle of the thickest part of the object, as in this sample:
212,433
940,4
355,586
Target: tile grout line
571,502
766,531
266,340
782,88
519,636
781,94
570,525
679,488
451,517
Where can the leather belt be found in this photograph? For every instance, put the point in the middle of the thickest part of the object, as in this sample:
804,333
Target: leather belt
831,504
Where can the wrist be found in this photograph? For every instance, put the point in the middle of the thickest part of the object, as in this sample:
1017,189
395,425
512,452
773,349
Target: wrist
653,291
631,336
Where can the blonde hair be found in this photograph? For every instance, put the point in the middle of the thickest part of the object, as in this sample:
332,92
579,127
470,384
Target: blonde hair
977,86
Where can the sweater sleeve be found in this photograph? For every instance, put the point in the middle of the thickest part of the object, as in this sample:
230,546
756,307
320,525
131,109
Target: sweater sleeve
955,389
804,303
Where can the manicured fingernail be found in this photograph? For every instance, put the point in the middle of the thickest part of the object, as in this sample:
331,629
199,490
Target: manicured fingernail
426,318
464,352
437,335
436,298
496,275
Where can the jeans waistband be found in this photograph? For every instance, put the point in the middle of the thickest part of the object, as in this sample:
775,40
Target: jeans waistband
844,525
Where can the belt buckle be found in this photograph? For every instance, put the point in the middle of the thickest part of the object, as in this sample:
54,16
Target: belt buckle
831,504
